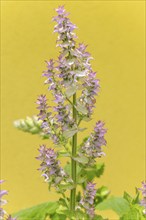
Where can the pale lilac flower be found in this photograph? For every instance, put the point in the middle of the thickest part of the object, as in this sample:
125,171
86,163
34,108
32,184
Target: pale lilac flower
2,201
3,213
92,147
59,98
50,74
50,166
143,201
42,106
66,42
50,68
48,122
64,116
143,189
87,201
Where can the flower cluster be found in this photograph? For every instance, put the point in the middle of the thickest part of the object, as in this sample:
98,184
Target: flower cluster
64,117
91,88
64,28
50,166
66,42
2,202
42,106
143,201
92,147
50,74
3,213
87,201
48,123
90,83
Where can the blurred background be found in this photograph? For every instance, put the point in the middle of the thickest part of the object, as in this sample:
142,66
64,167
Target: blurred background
114,32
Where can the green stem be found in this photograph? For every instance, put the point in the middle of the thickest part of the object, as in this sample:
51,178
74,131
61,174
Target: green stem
73,162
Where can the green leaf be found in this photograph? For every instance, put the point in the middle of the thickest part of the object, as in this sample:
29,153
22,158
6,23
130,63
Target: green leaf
82,159
99,169
71,90
67,168
64,154
136,199
101,194
87,119
57,217
37,212
103,191
81,108
117,204
133,214
131,200
99,217
127,197
66,186
61,209
94,171
81,180
69,133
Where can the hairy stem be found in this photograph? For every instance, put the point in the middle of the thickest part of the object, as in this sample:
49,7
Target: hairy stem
73,162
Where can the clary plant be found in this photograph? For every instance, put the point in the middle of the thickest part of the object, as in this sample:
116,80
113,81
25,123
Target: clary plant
73,85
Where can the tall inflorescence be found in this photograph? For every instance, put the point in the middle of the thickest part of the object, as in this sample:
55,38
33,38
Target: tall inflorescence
143,201
73,85
92,147
50,166
3,213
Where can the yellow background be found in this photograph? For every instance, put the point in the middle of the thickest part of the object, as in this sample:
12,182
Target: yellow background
114,31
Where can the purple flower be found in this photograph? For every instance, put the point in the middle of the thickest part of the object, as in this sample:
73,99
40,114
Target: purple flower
92,147
59,98
42,106
87,201
50,74
65,28
91,88
143,189
50,68
143,201
64,116
60,10
3,213
2,201
49,125
50,166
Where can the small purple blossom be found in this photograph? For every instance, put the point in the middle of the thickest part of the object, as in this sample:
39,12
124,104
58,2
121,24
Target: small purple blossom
48,125
42,106
87,201
2,201
3,213
64,116
59,98
64,25
50,68
65,28
92,147
50,166
143,201
50,74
